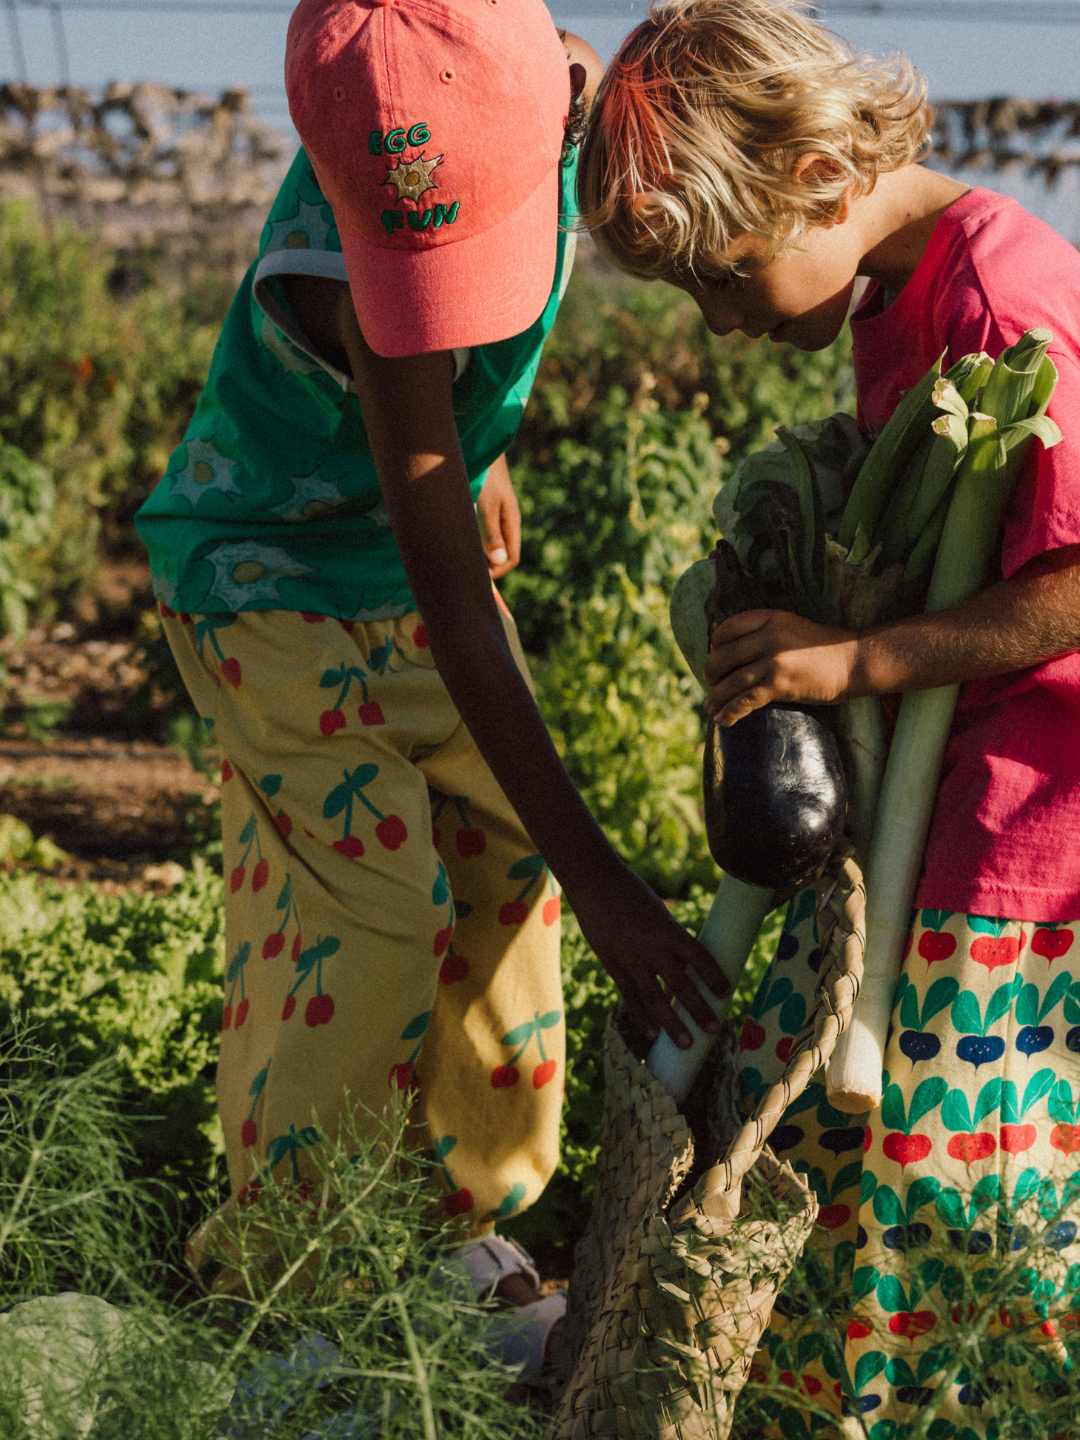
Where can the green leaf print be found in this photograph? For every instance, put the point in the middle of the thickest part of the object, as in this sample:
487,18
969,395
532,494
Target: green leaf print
864,1282
1048,1200
1039,1085
239,960
810,1347
1000,1001
868,1367
248,831
986,924
769,997
447,1143
526,868
270,785
1060,1105
940,995
802,906
792,1425
1072,1004
928,1096
869,1186
887,1207
966,1015
891,1295
331,679
847,1178
440,891
923,1192
416,1027
892,1108
930,1272
259,1081
899,1372
1029,1011
933,1360
935,919
285,896
956,1114
793,1014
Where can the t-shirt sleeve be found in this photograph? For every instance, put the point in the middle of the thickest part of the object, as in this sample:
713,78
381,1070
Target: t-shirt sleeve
1044,513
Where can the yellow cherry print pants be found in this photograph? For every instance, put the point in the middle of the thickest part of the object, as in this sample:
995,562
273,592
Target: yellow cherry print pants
388,921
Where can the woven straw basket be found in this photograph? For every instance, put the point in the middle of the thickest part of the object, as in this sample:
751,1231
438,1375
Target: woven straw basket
675,1279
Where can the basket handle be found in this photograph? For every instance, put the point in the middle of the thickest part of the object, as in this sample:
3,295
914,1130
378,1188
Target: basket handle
841,908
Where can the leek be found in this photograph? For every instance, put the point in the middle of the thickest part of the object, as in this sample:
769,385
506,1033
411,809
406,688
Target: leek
996,449
731,927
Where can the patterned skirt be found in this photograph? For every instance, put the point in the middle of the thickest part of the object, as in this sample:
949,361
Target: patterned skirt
945,1265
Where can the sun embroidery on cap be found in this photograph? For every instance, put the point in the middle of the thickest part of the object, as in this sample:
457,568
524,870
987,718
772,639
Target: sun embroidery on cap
412,178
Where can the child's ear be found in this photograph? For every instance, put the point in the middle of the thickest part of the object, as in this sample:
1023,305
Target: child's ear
813,166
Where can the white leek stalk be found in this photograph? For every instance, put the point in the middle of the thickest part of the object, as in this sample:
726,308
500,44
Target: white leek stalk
731,927
984,482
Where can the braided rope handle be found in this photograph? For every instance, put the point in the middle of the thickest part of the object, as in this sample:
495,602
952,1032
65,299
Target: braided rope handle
841,908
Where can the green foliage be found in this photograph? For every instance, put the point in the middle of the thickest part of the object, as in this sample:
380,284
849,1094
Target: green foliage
135,977
622,715
94,390
623,447
27,497
636,416
345,1318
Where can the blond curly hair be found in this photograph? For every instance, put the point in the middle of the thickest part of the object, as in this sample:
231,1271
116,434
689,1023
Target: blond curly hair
705,111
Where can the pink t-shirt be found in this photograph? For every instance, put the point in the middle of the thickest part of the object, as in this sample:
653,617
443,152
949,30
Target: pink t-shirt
1005,837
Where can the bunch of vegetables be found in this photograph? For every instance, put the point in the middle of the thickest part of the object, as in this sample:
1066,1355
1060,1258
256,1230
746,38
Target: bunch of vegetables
845,532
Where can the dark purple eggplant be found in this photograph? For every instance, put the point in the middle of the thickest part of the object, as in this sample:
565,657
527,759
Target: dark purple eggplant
775,796
775,793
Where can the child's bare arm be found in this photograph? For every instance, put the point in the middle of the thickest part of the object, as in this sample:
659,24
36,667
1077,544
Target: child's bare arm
408,413
765,655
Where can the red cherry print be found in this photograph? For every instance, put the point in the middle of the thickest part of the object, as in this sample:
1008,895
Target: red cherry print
470,842
912,1325
331,720
226,771
905,1149
787,1378
289,1006
419,638
552,909
970,1148
1052,944
241,1013
514,912
907,943
297,946
504,1076
459,1202
347,626
936,945
442,940
249,1133
273,945
753,1035
319,1010
402,1076
436,836
226,1019
995,950
867,1140
283,823
166,613
811,1384
371,713
1065,1138
391,832
236,879
831,1217
1017,1138
543,1073
783,1048
310,618
231,671
352,846
260,876
858,1330
454,967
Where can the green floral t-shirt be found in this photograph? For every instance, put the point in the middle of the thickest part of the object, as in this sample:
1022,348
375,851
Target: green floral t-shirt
272,501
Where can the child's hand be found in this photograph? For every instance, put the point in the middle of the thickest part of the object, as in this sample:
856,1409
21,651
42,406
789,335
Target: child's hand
764,655
500,520
636,941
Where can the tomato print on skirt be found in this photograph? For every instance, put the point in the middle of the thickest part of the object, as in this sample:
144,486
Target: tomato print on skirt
952,1209
388,922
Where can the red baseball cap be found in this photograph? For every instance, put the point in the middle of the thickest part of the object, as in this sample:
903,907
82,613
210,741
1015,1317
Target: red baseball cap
435,128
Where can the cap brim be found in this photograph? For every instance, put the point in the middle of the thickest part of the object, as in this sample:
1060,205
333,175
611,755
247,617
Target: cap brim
461,292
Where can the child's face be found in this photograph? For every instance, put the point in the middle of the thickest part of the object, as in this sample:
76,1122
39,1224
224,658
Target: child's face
800,297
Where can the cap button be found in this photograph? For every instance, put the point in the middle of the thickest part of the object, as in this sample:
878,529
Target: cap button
382,2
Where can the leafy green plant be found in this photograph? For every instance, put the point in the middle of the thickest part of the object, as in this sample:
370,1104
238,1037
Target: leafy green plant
345,1324
27,498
